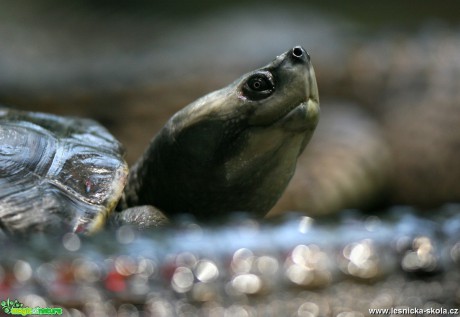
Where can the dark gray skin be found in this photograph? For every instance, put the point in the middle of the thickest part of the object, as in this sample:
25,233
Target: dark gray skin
232,150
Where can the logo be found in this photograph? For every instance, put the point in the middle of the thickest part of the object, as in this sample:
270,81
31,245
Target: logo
15,307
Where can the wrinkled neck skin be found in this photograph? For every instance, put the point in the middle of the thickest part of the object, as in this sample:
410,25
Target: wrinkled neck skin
224,153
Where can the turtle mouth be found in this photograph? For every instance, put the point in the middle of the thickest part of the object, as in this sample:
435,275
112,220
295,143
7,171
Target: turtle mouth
292,109
304,115
301,115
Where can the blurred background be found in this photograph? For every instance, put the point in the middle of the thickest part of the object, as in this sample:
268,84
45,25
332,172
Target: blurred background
131,64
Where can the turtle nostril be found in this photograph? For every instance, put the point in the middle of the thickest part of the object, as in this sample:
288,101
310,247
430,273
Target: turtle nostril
297,52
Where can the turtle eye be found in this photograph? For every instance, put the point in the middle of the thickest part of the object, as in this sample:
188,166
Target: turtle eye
258,83
259,86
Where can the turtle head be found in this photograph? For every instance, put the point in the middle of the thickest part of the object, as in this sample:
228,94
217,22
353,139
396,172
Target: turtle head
235,149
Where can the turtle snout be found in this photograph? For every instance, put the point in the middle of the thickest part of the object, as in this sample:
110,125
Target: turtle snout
299,54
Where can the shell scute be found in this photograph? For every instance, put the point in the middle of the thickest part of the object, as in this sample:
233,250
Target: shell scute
57,172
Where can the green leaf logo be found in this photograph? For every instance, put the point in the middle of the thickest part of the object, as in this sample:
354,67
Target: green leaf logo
8,305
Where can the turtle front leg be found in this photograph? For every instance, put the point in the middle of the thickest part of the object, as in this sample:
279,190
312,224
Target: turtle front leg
142,217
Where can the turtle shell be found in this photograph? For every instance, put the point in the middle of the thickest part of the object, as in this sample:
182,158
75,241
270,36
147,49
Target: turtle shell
57,173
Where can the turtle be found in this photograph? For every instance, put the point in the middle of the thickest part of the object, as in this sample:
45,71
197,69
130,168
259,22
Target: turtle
234,149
